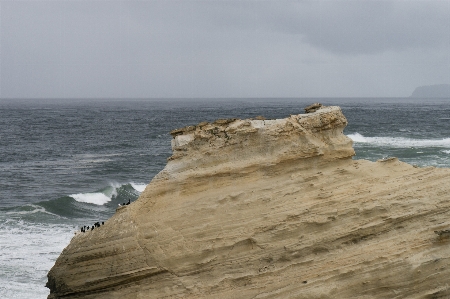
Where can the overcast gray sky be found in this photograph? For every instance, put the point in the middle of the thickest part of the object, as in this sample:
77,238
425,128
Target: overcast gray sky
152,49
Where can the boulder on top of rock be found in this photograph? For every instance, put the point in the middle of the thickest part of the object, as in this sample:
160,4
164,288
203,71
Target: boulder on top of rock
313,108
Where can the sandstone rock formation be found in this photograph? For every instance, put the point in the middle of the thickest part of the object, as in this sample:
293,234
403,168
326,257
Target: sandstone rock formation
269,209
313,108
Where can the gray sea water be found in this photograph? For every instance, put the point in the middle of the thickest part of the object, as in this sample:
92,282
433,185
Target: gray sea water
64,164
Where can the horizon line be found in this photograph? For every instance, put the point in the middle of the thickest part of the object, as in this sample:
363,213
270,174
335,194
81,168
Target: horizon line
208,98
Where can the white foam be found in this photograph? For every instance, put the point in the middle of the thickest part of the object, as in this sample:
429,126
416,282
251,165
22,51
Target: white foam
446,151
400,142
357,137
97,198
138,187
100,198
31,252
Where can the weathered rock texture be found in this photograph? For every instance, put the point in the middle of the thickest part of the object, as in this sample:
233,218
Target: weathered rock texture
269,209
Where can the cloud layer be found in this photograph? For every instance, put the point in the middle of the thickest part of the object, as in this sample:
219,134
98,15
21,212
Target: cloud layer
126,49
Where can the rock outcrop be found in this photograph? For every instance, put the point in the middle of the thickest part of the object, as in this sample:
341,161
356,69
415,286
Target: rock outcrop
432,91
269,209
313,108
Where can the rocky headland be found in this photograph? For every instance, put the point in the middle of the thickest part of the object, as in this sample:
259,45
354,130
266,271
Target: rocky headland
269,209
432,91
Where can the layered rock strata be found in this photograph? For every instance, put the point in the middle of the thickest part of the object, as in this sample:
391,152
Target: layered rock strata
269,209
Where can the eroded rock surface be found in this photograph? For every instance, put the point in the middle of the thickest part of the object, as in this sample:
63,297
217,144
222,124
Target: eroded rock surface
269,209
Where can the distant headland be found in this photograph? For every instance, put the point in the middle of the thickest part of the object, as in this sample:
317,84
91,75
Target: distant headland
432,91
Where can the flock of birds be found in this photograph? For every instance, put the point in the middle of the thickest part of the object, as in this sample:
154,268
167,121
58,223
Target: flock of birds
97,224
124,204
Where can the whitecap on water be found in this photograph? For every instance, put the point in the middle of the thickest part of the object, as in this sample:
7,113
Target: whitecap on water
356,137
400,142
96,198
105,195
138,187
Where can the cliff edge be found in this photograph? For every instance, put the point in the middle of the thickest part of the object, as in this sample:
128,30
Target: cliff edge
269,209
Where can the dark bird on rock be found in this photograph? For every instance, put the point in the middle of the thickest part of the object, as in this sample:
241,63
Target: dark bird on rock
443,233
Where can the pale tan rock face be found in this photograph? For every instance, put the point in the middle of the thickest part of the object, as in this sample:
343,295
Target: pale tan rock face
269,209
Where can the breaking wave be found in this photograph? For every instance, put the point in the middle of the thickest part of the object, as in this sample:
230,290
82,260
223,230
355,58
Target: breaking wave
400,142
95,198
99,204
99,197
113,191
138,187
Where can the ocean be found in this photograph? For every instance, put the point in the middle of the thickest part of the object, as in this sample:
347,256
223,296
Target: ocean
68,163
